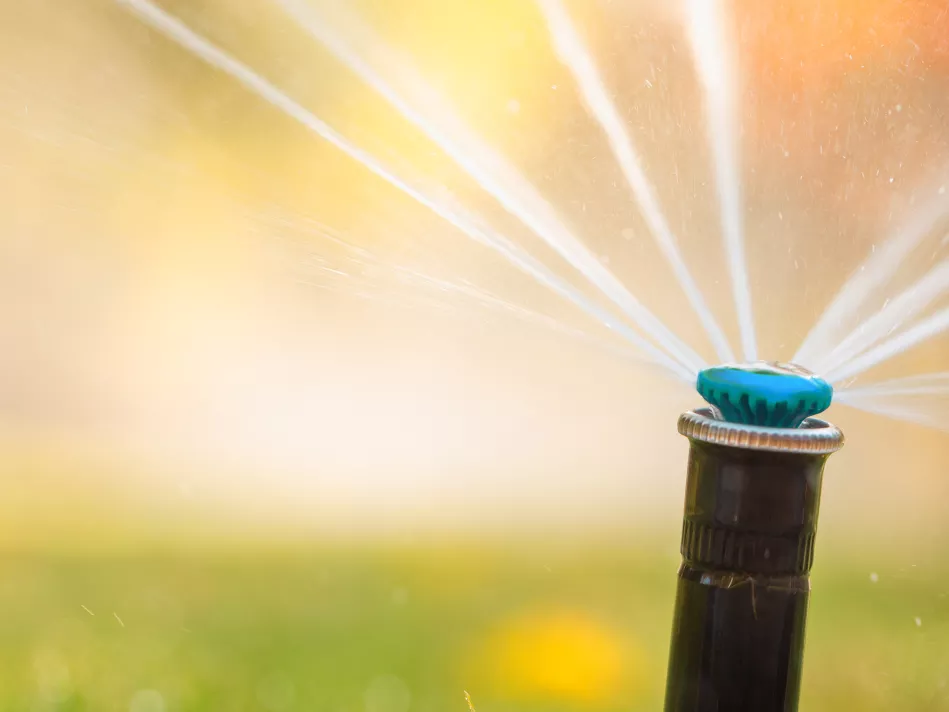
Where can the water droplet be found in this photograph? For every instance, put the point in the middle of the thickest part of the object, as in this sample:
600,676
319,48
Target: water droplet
276,692
52,677
387,693
874,577
918,621
147,701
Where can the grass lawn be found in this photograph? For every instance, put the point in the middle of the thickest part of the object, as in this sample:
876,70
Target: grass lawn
411,629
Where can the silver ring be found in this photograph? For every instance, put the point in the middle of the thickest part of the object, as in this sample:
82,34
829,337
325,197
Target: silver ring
814,436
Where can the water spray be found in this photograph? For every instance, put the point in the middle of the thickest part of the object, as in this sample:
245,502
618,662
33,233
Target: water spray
756,459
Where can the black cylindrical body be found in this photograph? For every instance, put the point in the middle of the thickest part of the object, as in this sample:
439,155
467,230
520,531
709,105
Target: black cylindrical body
747,549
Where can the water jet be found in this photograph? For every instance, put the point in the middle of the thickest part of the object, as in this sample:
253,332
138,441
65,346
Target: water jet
756,460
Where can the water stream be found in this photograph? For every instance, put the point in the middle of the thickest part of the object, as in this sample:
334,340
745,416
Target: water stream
839,346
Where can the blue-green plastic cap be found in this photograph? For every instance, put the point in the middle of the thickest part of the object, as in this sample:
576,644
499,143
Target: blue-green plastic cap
771,394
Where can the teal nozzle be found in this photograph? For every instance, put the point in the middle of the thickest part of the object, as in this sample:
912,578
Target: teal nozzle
766,393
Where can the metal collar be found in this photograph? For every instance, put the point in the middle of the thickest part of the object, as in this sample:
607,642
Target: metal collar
814,436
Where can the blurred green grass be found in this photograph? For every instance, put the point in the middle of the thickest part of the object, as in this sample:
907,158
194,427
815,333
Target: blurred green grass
411,628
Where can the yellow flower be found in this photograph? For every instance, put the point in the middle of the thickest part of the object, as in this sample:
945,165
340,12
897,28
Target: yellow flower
562,655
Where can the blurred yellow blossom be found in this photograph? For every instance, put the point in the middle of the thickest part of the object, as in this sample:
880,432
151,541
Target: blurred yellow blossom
564,655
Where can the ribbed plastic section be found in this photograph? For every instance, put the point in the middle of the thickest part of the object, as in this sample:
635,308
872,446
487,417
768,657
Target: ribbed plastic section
723,549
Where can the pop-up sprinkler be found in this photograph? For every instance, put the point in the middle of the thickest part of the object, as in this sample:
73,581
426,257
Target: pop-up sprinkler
756,459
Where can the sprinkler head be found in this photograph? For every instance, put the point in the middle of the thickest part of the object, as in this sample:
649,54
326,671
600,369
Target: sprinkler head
764,393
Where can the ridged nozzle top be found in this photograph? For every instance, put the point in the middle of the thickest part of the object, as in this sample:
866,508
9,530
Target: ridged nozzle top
765,393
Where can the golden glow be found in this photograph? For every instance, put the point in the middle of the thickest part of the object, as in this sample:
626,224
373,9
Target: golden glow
173,304
563,655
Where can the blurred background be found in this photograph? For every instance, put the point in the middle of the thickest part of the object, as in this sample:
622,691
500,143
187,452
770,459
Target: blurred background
277,437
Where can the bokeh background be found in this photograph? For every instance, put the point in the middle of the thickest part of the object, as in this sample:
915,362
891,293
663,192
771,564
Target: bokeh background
275,437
